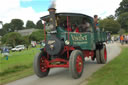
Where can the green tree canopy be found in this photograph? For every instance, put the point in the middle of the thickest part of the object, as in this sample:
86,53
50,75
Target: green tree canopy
16,24
121,31
123,7
30,24
1,32
6,28
109,25
111,17
12,38
1,23
39,25
26,40
37,35
123,20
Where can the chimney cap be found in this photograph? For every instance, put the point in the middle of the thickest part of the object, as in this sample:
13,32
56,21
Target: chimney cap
51,9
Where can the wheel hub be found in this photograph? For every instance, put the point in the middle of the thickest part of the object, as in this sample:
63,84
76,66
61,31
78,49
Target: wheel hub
79,64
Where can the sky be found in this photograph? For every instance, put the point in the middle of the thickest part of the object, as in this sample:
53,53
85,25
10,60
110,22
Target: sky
34,9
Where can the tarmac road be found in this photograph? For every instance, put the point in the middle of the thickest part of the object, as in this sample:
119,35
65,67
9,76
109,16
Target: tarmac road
61,76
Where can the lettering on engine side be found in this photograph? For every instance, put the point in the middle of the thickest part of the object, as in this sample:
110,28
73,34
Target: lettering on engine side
79,37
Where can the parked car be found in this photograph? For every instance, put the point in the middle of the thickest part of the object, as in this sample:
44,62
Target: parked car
18,48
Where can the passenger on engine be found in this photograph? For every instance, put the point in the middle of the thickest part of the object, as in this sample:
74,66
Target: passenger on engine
96,22
84,27
69,29
75,27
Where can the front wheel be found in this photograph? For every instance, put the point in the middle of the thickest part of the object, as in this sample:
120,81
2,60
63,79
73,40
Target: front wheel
40,67
76,64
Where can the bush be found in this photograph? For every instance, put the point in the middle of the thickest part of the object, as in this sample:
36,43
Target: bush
37,35
12,38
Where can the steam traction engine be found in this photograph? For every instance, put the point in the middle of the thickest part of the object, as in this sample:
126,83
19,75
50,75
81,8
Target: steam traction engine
67,49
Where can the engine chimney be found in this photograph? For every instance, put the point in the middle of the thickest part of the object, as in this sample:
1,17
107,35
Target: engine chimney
52,12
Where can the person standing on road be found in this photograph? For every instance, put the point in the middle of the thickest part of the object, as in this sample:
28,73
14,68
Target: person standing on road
112,39
122,39
126,39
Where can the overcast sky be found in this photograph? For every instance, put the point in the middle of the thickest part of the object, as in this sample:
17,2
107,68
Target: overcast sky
34,9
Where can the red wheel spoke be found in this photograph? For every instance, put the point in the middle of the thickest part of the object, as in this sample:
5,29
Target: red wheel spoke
79,64
43,67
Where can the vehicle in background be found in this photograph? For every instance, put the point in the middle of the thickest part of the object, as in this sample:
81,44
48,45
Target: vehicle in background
18,48
8,47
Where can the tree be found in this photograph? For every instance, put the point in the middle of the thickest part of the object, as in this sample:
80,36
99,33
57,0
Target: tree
123,20
37,35
39,25
123,7
122,31
1,23
111,17
2,32
5,29
16,24
30,24
26,40
12,38
109,25
4,39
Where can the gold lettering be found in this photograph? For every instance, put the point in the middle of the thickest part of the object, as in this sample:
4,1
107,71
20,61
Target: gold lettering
78,37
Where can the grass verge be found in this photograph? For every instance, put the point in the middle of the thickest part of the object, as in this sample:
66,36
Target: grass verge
18,65
114,73
16,75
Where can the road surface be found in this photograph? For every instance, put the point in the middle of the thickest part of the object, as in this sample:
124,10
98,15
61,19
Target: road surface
61,76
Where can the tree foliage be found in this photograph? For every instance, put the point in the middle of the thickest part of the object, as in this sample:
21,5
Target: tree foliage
123,20
6,28
30,24
37,35
12,38
26,40
109,25
16,24
39,25
123,7
1,32
111,17
121,31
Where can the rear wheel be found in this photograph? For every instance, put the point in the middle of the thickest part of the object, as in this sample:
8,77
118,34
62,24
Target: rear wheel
103,54
40,67
76,64
98,58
